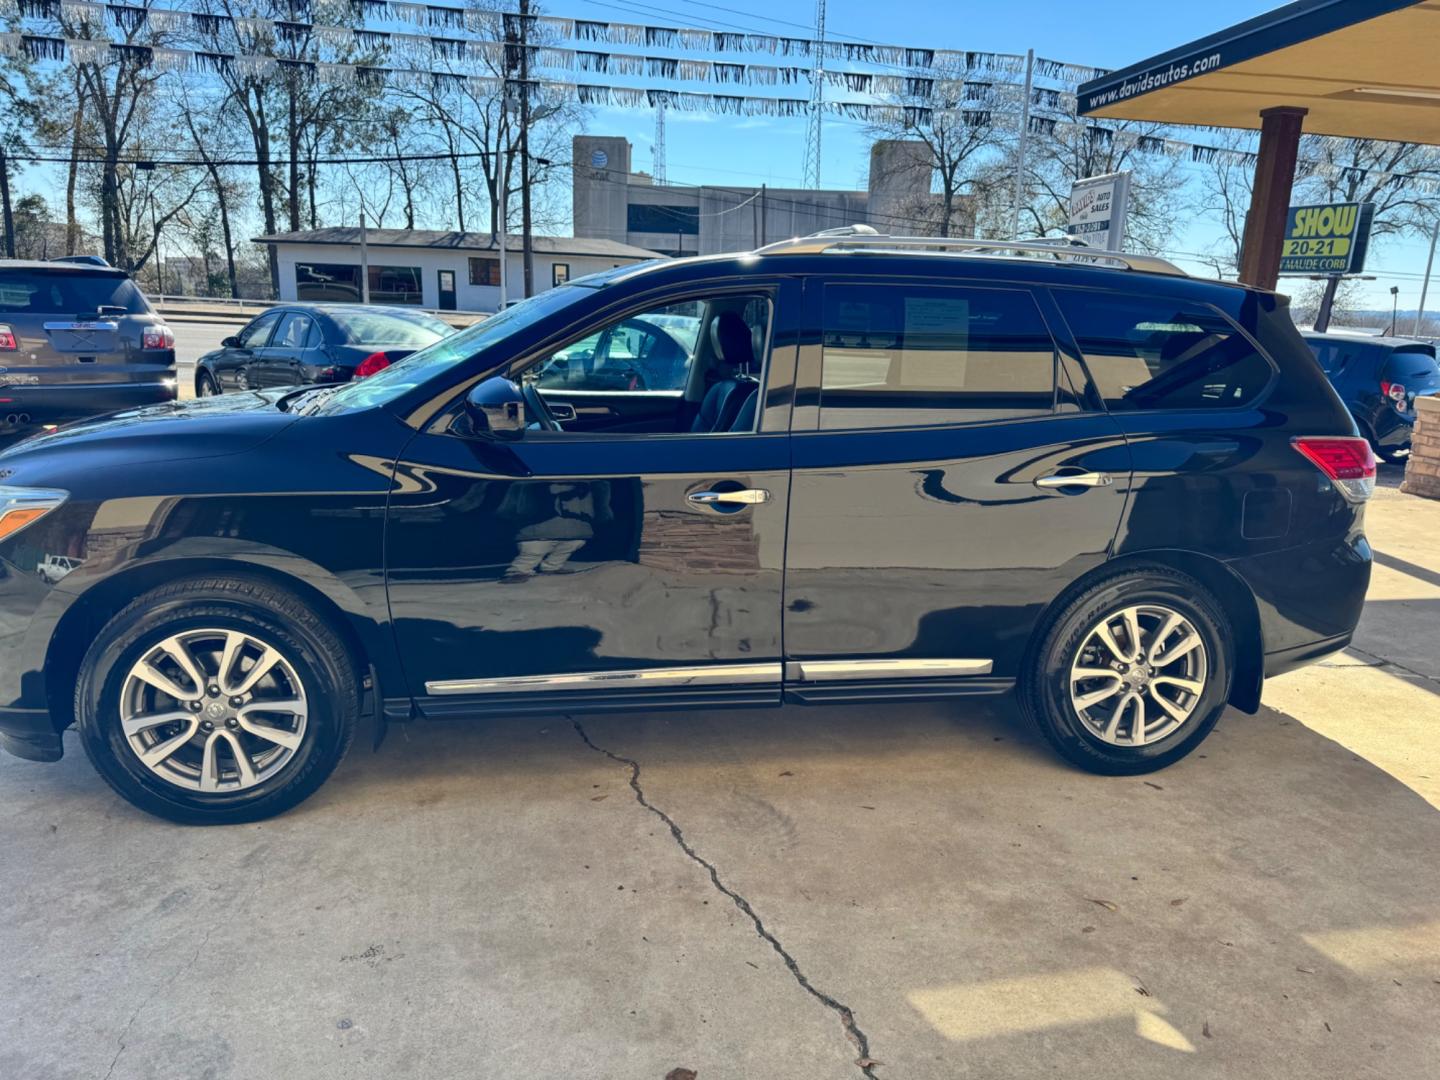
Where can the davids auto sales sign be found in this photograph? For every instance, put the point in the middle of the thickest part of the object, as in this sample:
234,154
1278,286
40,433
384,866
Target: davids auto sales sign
1098,206
1329,238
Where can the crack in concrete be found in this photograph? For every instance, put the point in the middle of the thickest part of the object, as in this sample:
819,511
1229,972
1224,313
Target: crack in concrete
125,1034
857,1038
1380,661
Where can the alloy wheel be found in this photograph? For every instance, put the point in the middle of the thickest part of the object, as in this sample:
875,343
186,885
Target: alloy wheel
1138,675
213,710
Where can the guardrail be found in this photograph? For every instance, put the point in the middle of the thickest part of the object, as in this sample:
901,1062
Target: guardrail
160,301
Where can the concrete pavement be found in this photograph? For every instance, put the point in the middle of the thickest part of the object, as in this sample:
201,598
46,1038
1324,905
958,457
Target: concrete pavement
771,894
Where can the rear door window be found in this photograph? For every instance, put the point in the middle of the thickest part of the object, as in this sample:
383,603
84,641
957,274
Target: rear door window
1158,353
910,356
78,293
293,331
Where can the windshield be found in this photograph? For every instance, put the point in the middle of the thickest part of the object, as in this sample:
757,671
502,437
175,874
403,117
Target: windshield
402,377
404,328
67,292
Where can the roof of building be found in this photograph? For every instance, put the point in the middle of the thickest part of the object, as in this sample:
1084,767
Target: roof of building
1362,68
458,241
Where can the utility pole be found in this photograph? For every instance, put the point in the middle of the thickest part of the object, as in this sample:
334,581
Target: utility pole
1020,149
526,247
1327,303
364,263
1425,287
817,101
657,148
9,219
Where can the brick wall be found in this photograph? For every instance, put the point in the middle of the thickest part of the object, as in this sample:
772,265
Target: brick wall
1422,472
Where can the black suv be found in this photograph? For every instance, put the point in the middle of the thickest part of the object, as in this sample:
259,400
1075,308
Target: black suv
1379,380
886,470
77,340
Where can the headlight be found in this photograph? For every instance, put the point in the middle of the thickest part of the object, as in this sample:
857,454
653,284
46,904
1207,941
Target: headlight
21,506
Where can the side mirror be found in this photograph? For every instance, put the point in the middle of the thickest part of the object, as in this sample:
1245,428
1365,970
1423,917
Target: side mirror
496,406
231,342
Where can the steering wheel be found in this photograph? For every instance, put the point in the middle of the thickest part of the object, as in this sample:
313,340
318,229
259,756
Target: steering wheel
536,407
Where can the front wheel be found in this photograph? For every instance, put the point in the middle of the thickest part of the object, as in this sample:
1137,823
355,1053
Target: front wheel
1132,674
205,385
216,701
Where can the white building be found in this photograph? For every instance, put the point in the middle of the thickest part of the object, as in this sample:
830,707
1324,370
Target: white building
444,271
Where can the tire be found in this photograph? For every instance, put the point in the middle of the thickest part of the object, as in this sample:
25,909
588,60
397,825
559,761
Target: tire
1093,738
205,385
290,749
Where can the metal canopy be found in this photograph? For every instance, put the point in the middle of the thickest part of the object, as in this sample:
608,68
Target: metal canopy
1361,68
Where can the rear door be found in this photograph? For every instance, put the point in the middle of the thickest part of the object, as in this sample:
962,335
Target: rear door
279,362
948,483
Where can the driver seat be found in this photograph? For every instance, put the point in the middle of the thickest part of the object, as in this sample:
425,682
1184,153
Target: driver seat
733,344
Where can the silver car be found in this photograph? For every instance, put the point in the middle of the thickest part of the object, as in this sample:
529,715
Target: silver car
77,341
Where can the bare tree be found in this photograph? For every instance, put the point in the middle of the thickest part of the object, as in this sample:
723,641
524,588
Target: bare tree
953,120
1059,155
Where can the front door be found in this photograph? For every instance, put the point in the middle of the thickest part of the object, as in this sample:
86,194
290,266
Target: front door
596,569
948,484
278,363
446,289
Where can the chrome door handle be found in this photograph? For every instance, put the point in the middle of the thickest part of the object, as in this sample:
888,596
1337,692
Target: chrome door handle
749,496
1085,479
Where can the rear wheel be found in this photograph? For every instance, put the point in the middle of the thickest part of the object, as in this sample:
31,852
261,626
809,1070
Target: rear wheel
217,701
1133,673
205,385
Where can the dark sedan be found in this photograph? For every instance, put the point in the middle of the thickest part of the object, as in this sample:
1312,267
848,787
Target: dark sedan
301,344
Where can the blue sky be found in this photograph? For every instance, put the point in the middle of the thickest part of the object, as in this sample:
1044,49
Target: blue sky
1112,33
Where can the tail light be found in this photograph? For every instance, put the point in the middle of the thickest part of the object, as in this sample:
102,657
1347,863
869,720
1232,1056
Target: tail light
1347,461
376,361
1395,392
157,337
7,339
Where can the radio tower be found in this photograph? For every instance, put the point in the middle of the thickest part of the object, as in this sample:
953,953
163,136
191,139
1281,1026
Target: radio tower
657,148
817,102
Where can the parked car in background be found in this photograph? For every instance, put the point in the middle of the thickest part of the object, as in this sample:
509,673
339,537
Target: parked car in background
301,344
883,474
77,340
1379,379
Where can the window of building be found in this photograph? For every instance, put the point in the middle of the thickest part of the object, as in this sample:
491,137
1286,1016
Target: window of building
1155,353
321,282
901,356
655,218
559,273
332,282
484,271
395,285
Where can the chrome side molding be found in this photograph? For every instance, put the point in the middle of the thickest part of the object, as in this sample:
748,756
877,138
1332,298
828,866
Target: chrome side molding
700,675
717,675
835,670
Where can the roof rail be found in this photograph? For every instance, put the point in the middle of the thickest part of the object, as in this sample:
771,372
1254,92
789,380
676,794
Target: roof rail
862,238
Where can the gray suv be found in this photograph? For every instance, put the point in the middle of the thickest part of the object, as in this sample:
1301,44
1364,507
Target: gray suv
76,341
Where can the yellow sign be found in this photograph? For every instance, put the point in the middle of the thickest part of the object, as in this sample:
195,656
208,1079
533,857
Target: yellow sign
1326,239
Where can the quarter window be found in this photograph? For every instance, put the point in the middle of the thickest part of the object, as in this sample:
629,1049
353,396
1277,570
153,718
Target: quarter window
907,357
1154,353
